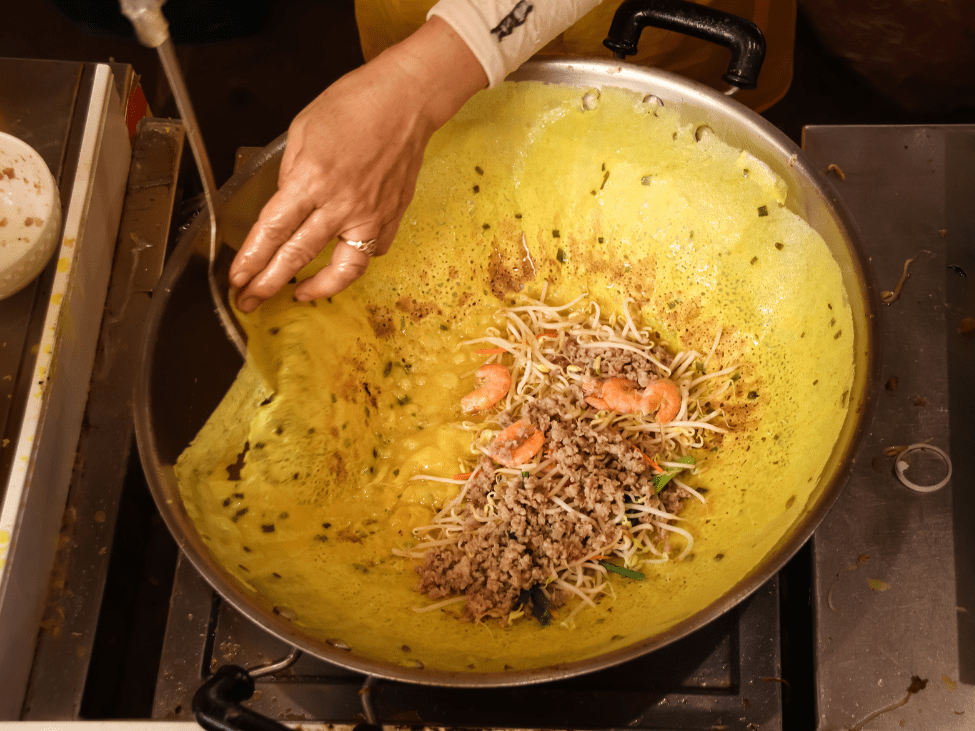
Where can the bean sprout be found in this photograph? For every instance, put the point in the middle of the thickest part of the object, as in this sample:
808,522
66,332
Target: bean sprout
553,352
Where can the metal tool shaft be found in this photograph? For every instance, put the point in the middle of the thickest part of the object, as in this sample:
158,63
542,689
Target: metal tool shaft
153,31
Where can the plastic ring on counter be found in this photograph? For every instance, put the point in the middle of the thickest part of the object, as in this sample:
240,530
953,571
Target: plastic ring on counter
901,465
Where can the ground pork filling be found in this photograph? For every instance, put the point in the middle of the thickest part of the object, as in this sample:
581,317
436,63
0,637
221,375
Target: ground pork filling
602,494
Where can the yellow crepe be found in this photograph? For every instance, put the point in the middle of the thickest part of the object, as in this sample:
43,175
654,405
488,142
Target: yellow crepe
524,186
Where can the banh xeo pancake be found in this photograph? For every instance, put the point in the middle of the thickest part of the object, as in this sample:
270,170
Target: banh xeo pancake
299,482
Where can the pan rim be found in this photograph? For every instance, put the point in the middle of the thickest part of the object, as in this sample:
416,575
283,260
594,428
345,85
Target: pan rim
613,73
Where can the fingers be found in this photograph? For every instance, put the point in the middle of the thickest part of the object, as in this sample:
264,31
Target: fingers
347,265
281,265
280,218
264,266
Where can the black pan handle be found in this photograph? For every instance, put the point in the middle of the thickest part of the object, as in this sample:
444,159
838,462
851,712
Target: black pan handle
217,704
743,37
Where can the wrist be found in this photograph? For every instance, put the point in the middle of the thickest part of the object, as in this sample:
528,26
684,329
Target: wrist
443,71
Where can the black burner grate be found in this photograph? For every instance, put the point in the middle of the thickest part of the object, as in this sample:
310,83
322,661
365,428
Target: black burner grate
724,676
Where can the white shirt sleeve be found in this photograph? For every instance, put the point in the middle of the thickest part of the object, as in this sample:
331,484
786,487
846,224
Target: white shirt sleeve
503,34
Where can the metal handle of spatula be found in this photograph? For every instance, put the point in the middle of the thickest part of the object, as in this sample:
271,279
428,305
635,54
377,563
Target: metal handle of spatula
152,30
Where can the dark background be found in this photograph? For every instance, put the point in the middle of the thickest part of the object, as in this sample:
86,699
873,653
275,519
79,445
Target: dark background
251,65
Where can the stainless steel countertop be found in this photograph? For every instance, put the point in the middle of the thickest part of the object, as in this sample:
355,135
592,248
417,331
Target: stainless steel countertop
72,114
37,105
894,573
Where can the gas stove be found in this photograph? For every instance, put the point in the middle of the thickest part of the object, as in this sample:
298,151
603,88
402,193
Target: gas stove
870,626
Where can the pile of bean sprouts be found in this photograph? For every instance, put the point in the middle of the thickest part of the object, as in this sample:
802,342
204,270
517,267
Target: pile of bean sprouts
531,340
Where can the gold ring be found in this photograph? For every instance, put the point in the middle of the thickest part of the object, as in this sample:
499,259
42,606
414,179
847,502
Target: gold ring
366,247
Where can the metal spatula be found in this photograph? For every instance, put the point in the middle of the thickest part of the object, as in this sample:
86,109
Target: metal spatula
152,30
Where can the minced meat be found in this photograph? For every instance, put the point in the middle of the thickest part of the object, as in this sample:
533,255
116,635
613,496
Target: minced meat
527,537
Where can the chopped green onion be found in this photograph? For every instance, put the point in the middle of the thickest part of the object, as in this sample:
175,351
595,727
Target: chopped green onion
525,474
622,570
660,481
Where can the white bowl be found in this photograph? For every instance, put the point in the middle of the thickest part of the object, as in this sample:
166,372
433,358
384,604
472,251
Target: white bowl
30,214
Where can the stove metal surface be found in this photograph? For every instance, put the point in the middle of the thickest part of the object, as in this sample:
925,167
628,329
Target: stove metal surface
724,676
37,105
74,603
894,573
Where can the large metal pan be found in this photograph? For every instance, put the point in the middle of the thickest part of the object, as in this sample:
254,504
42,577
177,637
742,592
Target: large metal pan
187,364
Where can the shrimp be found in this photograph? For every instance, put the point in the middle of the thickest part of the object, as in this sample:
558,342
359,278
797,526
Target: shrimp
622,396
592,390
664,396
517,444
494,381
598,403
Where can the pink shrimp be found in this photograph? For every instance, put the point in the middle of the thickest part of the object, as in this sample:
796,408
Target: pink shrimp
598,403
664,396
622,396
592,390
517,444
494,381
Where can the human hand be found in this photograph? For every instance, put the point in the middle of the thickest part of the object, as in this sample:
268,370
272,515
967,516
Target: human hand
350,166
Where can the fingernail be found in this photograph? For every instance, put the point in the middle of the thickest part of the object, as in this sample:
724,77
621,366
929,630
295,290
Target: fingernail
249,304
239,279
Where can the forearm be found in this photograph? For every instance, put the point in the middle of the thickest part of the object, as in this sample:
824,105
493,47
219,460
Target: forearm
503,34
